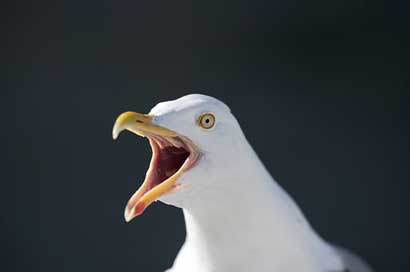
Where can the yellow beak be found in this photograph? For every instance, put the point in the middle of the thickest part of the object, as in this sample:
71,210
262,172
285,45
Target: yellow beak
141,124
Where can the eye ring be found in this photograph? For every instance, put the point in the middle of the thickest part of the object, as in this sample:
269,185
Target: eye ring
206,120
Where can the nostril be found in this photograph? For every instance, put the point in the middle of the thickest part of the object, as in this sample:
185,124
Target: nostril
139,121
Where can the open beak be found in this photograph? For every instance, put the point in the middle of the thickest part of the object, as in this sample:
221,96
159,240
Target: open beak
172,154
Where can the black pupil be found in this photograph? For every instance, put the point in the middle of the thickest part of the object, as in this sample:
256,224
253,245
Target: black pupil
207,121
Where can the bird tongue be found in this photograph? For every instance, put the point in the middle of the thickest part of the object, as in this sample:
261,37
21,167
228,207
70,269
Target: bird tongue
169,160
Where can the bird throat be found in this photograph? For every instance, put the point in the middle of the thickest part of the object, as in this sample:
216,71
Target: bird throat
253,224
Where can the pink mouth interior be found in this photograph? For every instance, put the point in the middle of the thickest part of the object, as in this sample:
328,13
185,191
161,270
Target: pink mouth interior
167,161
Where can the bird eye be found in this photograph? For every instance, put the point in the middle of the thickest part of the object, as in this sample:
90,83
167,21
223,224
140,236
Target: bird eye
206,120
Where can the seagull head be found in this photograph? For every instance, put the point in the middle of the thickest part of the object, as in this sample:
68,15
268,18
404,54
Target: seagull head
193,141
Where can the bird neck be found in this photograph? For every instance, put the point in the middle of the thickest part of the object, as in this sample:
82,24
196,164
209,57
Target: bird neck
253,219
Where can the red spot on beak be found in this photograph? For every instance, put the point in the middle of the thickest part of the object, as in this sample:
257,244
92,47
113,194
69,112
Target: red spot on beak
139,209
132,212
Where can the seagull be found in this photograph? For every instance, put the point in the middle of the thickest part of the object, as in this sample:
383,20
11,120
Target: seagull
238,218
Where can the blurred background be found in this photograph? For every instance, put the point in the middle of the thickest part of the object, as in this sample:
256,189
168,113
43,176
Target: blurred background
329,77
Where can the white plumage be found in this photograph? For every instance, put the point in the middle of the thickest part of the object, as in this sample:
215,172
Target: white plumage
237,216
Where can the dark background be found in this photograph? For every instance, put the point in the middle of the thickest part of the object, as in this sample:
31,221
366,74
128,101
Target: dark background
329,77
